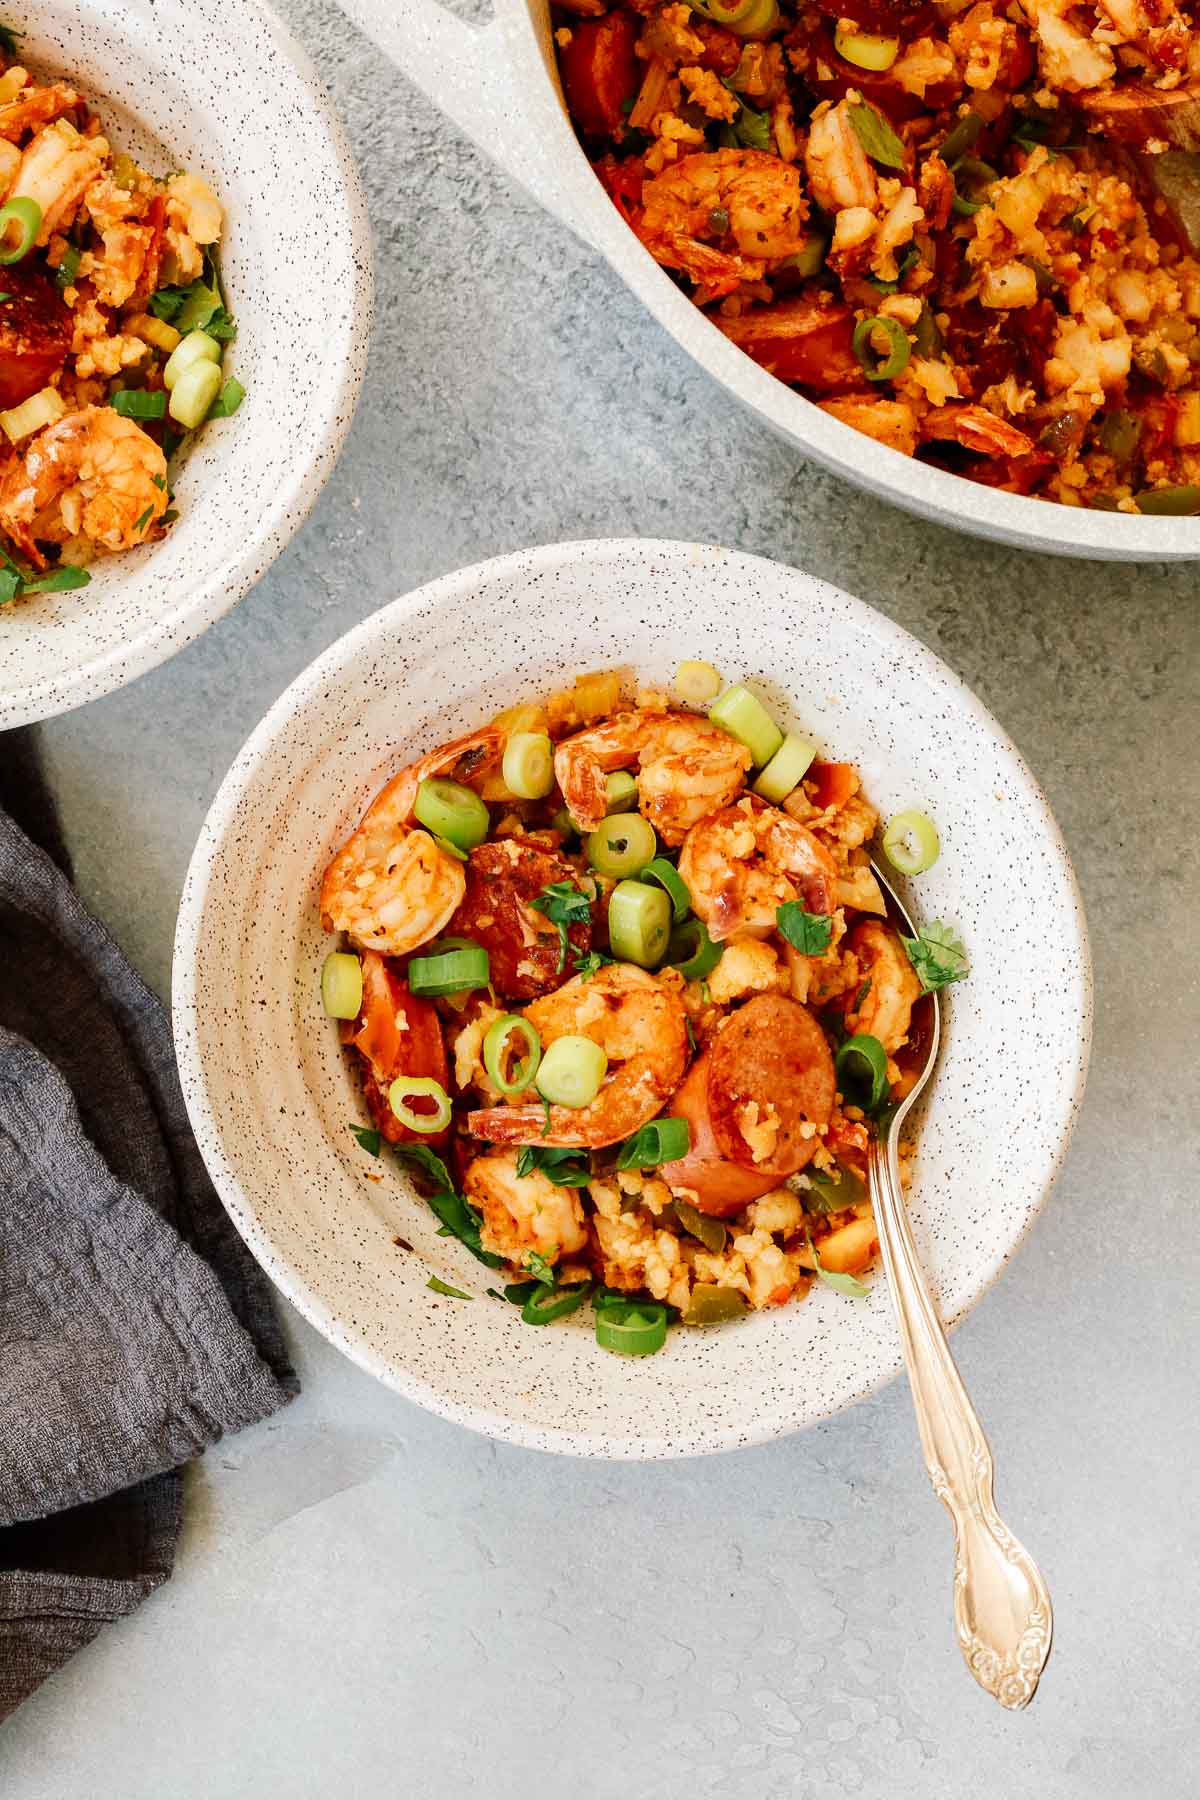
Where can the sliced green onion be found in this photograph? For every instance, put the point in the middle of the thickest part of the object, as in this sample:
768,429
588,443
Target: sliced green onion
196,347
528,766
697,683
810,258
745,717
449,849
910,843
563,822
706,1230
545,1305
342,985
762,18
26,215
957,142
419,1087
193,394
865,49
661,1141
495,1053
136,403
861,1069
571,1071
692,951
709,1304
786,768
1170,502
637,1328
639,923
621,845
450,971
621,792
452,811
895,362
979,177
668,877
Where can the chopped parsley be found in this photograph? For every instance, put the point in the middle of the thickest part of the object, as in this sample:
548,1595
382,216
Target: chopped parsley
564,905
845,1284
141,523
370,1139
876,136
546,1109
443,1287
864,990
9,39
751,130
540,1269
809,933
565,1168
459,1218
937,955
592,963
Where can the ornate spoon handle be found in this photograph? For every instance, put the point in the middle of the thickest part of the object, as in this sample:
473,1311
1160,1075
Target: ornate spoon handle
1001,1605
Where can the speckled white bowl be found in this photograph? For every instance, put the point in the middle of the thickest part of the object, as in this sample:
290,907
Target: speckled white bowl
218,86
271,1095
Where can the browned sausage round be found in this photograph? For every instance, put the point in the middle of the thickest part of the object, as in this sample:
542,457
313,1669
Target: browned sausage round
771,1072
35,332
716,1185
522,945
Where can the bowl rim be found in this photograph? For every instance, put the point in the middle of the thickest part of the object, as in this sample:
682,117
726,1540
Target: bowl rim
198,608
242,776
943,498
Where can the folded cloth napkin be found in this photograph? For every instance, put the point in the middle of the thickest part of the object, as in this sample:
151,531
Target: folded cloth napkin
135,1328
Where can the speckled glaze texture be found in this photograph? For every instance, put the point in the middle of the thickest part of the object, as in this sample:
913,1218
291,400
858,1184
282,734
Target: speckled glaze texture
272,1098
500,85
219,87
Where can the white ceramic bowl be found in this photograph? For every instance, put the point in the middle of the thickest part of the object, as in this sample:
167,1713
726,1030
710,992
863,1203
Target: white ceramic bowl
219,87
271,1095
500,85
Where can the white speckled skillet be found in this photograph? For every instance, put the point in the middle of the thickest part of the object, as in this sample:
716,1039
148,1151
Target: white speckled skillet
500,86
218,86
272,1099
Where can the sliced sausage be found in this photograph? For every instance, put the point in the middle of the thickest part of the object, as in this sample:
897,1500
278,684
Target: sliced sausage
35,332
718,1187
600,72
1136,115
770,1086
523,946
799,340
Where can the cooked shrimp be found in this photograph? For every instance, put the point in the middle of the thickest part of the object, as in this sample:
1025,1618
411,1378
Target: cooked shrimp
56,168
523,1213
838,168
687,768
390,887
92,472
35,106
748,860
884,1011
975,428
639,1024
697,204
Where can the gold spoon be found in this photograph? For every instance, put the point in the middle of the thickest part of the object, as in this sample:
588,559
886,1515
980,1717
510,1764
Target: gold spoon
1001,1605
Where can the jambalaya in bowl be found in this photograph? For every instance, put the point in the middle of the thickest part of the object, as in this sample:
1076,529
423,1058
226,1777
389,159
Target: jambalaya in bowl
620,984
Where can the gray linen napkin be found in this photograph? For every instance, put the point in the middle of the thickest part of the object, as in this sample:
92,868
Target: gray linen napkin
135,1328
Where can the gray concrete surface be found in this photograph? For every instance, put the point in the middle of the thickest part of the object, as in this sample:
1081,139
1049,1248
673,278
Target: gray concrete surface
372,1603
